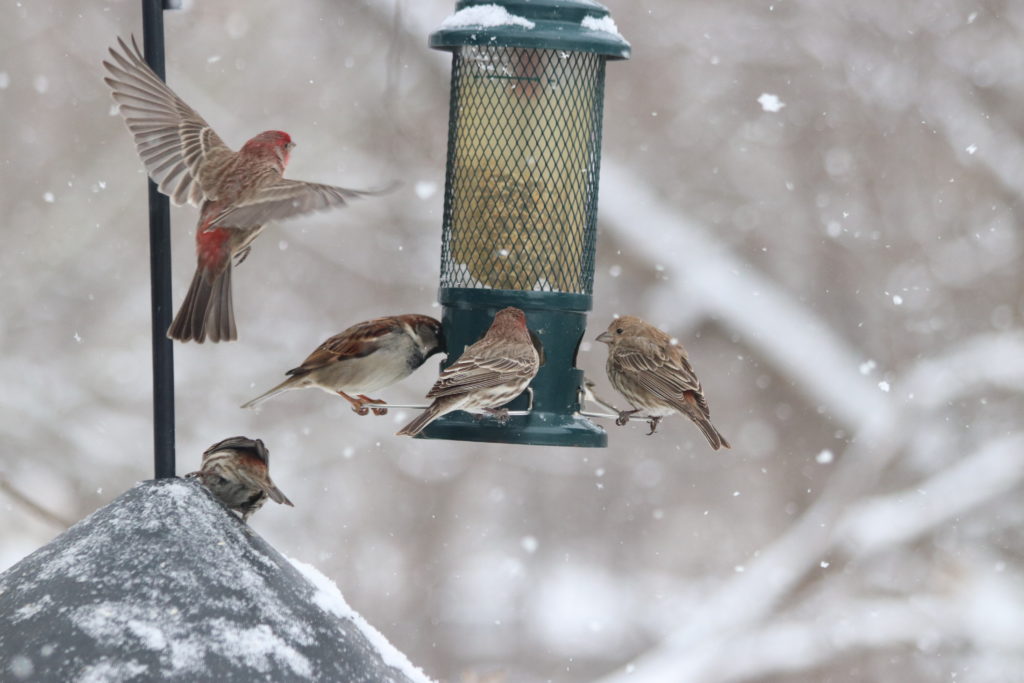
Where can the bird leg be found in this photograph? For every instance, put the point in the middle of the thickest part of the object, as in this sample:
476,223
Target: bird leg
654,424
624,415
357,405
376,411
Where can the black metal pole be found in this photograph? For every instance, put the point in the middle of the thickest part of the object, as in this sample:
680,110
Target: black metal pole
160,272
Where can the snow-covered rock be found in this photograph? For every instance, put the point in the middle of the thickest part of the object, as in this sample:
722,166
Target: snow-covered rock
165,584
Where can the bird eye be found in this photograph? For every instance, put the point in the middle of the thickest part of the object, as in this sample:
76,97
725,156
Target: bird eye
618,331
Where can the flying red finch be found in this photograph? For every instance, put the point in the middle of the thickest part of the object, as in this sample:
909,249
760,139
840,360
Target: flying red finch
236,471
489,374
655,376
366,357
237,192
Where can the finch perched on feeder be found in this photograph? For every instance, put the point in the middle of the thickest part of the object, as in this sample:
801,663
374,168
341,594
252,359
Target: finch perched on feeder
237,192
366,357
236,471
489,374
655,376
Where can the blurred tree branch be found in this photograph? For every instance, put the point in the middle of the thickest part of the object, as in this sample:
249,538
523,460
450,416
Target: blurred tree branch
32,506
692,652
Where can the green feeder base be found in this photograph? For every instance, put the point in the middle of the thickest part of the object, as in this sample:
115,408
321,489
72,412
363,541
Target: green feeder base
559,321
535,429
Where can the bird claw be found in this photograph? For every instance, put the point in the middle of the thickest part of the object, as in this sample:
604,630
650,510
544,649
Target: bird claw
358,406
654,425
376,411
623,417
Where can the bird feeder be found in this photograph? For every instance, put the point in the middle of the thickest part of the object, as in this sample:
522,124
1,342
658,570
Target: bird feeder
520,206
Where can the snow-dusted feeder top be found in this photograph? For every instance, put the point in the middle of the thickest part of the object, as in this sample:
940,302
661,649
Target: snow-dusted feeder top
520,211
165,584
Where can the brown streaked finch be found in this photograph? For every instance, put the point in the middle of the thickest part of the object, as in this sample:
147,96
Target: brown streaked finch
655,376
490,373
236,192
236,471
366,357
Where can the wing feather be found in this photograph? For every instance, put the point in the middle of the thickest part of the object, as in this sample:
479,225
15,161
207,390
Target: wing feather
285,199
663,373
173,141
355,342
481,372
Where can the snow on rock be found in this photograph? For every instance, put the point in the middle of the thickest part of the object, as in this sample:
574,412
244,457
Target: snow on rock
606,24
485,16
166,583
330,599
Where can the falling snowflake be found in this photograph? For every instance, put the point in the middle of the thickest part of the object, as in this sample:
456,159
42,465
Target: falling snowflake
770,102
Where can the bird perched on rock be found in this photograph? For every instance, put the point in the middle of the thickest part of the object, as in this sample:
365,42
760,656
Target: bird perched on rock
489,374
655,376
237,192
236,471
364,358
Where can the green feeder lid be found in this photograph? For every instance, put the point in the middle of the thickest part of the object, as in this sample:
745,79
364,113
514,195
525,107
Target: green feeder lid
574,25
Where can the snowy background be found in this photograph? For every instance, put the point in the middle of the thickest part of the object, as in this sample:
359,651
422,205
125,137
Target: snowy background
819,202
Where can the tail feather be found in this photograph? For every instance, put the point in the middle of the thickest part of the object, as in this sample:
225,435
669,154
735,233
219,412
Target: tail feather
198,294
725,444
435,411
220,317
207,310
696,408
283,386
713,436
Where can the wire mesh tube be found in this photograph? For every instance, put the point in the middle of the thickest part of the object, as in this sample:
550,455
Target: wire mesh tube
523,160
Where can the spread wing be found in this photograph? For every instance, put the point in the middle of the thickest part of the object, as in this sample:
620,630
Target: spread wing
475,371
665,373
285,199
172,139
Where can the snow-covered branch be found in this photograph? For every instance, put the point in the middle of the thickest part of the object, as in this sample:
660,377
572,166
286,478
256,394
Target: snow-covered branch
740,298
742,602
798,644
880,523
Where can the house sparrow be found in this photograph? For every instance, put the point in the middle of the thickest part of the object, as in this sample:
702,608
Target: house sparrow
366,357
489,374
655,376
237,192
236,471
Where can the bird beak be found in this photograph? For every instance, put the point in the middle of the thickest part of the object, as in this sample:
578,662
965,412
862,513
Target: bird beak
605,337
